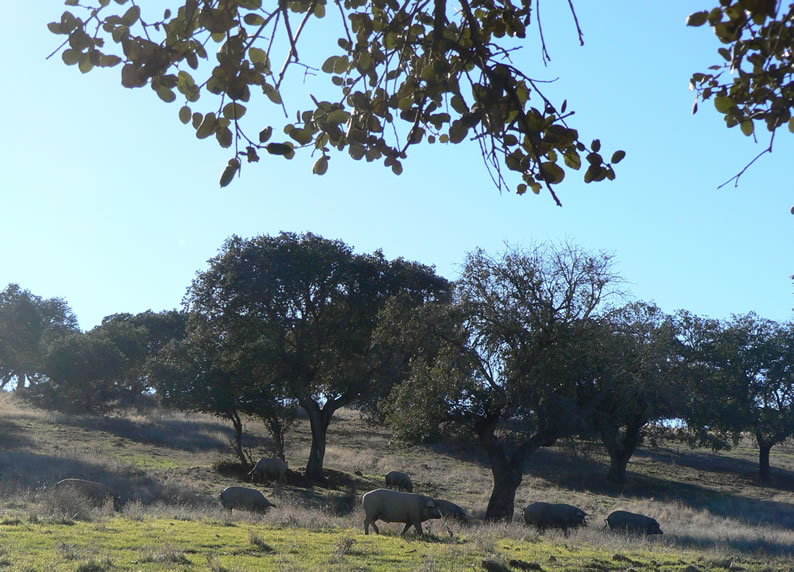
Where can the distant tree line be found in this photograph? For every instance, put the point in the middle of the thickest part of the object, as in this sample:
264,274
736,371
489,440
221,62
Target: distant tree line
526,348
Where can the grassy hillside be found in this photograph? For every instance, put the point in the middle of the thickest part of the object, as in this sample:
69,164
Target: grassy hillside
170,468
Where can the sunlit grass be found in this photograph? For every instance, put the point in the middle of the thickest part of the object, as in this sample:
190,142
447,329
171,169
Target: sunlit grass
163,464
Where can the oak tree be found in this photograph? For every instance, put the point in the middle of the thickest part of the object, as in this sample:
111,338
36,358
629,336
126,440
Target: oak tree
741,381
202,372
631,380
28,325
506,358
301,310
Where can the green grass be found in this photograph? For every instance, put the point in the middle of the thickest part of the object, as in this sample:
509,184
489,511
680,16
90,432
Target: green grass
120,543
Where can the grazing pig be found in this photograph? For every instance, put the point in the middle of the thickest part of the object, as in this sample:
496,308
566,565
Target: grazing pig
269,469
631,522
244,498
451,511
394,506
400,481
548,515
96,493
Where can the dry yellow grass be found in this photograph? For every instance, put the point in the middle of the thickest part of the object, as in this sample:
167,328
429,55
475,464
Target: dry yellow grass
162,463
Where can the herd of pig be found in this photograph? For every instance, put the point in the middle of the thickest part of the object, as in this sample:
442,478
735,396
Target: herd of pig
388,505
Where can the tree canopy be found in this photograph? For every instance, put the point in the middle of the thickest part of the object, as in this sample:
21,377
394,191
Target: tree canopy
28,324
508,357
632,380
753,82
740,380
395,74
301,310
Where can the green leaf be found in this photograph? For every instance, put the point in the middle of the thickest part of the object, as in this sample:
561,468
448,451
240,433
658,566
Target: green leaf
265,134
459,104
328,65
258,56
321,166
207,126
552,172
457,131
356,151
224,137
338,116
617,156
132,76
596,145
272,93
131,16
230,171
85,64
302,136
397,168
185,114
723,103
791,124
279,148
233,111
573,160
365,62
341,64
697,19
109,60
70,57
594,159
165,93
253,19
747,127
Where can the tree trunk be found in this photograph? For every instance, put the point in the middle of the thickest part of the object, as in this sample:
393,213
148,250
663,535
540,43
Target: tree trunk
319,419
763,461
620,448
617,466
501,505
237,443
507,476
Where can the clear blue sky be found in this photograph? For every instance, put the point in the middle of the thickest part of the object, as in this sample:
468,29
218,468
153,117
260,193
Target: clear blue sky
109,202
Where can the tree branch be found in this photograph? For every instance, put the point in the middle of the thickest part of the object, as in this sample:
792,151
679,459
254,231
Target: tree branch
735,178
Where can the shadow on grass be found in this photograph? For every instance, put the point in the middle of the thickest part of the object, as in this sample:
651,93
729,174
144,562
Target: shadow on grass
758,546
744,469
583,474
339,494
13,436
181,434
587,474
20,470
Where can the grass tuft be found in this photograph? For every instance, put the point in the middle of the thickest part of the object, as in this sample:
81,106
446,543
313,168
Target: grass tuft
165,555
95,566
257,541
344,546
